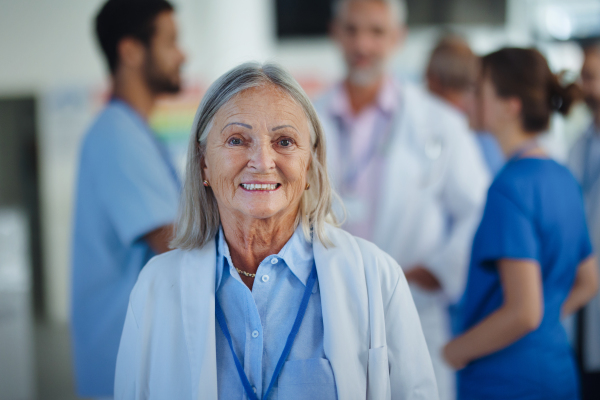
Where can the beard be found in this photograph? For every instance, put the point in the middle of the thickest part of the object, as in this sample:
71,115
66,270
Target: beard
366,76
159,81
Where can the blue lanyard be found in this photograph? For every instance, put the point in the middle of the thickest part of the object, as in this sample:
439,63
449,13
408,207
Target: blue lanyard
310,283
377,145
529,145
355,167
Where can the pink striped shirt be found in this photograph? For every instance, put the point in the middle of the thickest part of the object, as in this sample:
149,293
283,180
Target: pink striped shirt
362,135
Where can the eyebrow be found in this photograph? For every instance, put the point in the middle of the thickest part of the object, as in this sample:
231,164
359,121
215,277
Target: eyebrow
283,126
237,123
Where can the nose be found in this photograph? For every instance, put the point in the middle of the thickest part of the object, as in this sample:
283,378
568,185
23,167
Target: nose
262,157
362,42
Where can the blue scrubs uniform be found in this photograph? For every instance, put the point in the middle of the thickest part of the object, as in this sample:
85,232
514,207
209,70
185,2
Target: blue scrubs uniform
534,211
126,188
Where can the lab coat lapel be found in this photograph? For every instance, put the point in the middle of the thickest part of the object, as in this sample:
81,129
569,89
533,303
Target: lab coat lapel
397,168
344,301
198,312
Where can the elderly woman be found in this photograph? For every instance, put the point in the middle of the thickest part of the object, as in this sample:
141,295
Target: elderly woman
264,298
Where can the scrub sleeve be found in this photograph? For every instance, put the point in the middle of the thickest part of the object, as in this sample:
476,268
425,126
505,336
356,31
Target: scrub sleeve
134,184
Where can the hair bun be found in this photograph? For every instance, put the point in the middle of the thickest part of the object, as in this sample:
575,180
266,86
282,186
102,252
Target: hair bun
561,98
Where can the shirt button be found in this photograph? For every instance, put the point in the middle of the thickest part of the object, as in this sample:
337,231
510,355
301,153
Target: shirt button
255,334
265,278
254,388
274,260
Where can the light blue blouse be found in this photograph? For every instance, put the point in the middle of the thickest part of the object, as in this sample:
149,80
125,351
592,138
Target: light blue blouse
260,321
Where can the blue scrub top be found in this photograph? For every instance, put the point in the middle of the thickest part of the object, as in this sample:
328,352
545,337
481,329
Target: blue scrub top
126,188
534,211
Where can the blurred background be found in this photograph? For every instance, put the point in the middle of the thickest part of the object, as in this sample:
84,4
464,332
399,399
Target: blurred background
53,81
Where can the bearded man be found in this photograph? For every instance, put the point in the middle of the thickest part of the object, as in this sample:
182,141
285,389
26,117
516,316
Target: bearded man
127,188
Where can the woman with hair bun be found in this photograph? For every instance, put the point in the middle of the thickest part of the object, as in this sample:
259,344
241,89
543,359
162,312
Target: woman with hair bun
532,259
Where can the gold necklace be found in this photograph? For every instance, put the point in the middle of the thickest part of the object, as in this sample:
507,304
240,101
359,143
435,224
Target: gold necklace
245,273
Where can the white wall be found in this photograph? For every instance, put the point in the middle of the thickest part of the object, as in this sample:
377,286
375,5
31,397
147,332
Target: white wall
47,49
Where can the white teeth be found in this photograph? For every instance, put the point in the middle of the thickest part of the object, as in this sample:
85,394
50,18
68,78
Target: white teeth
256,186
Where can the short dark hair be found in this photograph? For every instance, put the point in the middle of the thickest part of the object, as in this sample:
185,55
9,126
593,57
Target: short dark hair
453,64
524,73
118,19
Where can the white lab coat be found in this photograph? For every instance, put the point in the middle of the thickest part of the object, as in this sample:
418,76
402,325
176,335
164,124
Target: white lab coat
373,339
429,206
591,347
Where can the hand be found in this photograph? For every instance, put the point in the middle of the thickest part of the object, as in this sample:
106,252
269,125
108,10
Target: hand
454,355
421,277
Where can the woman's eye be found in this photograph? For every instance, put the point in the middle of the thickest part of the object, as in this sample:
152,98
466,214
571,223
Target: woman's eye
235,141
285,142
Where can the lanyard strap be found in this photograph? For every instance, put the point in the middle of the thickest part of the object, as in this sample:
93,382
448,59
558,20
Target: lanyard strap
310,283
527,146
352,167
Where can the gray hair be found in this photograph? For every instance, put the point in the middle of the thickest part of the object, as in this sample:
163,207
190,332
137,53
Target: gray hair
198,220
398,7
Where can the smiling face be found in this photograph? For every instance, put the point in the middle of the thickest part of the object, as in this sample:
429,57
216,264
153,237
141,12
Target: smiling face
257,155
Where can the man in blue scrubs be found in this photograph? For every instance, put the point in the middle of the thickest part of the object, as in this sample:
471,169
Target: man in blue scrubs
127,188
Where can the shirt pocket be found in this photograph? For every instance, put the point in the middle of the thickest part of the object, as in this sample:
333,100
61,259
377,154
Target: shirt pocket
310,379
378,374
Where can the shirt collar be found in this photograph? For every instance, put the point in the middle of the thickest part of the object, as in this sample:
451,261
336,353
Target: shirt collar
297,255
386,101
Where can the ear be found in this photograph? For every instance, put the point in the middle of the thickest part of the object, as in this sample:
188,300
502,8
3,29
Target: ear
514,106
400,35
131,53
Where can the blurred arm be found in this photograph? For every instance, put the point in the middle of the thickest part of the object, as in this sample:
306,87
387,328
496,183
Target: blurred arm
521,313
584,288
159,239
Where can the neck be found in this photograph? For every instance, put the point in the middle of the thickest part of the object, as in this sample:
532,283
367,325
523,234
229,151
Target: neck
132,89
512,138
252,240
364,95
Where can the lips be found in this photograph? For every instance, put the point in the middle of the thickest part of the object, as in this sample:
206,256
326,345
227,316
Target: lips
260,186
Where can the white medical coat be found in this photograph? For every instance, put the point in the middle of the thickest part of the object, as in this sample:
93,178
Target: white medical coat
430,203
577,158
373,338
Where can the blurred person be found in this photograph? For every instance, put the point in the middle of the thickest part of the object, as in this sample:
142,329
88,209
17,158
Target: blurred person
264,297
127,189
532,259
584,160
409,172
452,74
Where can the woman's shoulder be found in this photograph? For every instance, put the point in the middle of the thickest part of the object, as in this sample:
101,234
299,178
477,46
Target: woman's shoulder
163,273
373,258
526,175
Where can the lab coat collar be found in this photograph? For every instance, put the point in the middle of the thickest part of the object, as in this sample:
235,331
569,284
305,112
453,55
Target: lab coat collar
344,302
